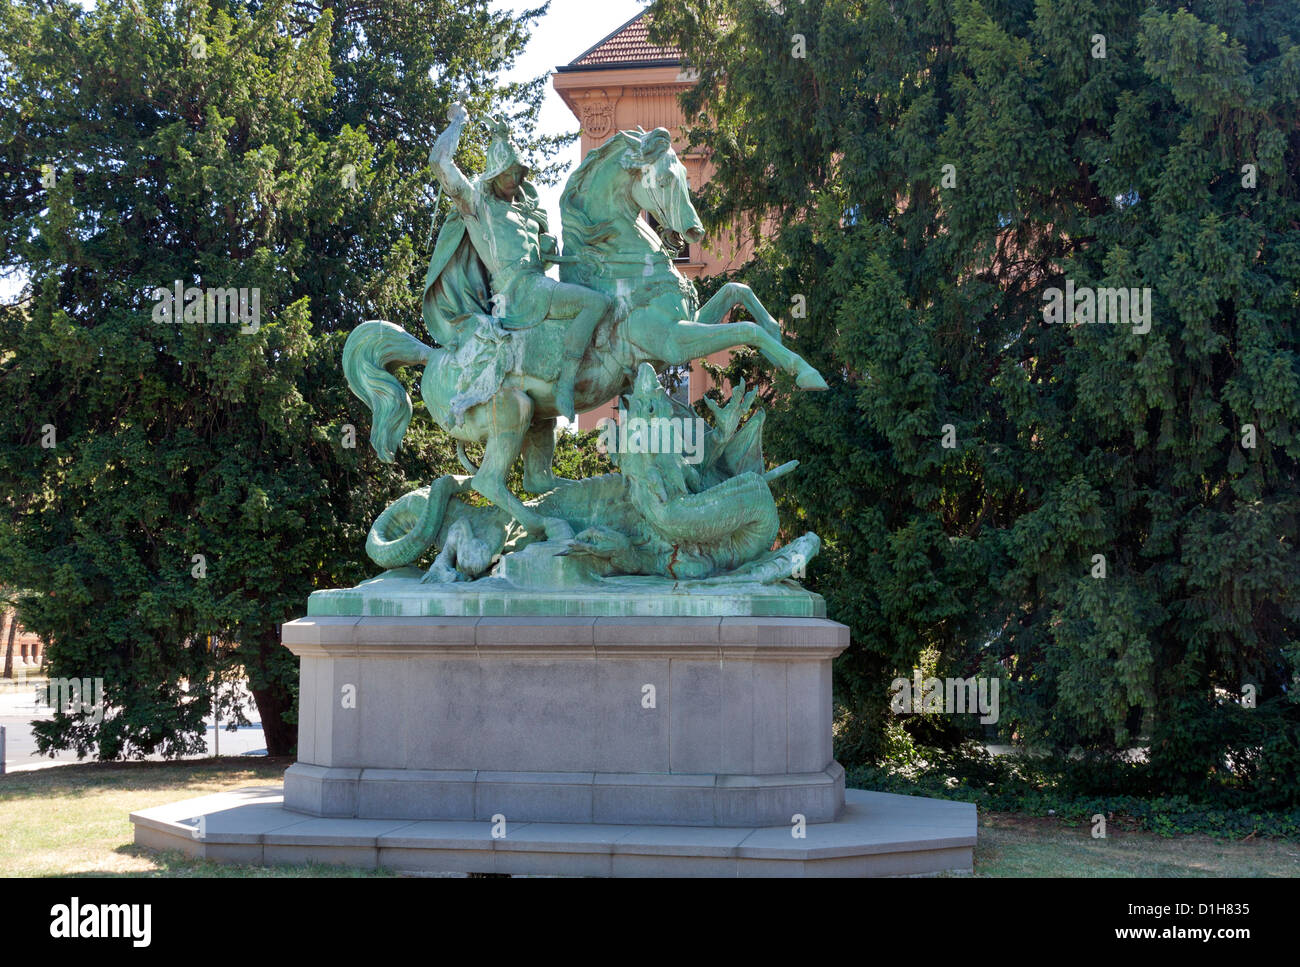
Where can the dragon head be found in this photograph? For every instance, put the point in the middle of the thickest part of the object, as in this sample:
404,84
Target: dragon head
655,440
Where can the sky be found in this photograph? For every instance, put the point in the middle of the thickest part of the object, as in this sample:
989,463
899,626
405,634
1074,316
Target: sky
568,28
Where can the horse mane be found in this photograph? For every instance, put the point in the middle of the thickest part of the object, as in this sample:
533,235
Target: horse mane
578,225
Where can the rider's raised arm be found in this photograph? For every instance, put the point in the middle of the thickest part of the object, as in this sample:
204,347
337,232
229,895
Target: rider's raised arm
441,158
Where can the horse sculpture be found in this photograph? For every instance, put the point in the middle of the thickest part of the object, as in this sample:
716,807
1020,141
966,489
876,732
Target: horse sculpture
491,385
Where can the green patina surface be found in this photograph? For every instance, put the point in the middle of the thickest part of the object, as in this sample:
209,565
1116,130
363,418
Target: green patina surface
689,524
400,593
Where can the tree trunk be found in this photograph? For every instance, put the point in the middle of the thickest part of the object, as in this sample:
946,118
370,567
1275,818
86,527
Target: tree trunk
12,615
273,698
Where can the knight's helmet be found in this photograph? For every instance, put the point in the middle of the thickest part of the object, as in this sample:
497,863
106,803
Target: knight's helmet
501,152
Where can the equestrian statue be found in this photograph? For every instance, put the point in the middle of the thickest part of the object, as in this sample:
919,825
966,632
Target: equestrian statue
514,348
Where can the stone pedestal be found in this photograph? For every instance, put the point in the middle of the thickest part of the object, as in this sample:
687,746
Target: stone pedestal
664,721
612,744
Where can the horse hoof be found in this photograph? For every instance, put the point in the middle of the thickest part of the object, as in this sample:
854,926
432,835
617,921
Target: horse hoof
811,379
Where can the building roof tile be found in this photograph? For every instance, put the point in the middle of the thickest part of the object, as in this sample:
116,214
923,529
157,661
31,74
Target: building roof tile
629,44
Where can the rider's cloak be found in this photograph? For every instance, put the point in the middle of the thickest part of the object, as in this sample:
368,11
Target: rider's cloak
457,285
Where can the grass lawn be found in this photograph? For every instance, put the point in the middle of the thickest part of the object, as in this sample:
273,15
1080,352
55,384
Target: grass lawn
72,821
1014,845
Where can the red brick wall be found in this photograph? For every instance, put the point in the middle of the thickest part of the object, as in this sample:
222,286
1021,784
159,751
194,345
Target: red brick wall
28,649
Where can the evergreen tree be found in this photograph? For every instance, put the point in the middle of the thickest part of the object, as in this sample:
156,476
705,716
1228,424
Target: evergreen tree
170,483
920,175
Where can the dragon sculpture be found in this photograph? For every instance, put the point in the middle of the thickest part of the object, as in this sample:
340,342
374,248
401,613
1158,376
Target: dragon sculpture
713,520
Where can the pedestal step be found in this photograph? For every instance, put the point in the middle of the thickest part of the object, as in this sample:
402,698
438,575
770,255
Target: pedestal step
878,834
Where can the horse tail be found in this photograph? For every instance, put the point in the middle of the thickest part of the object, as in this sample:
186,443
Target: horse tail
371,350
464,460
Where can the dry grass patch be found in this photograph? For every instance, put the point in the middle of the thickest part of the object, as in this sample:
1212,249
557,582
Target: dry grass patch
1014,845
74,820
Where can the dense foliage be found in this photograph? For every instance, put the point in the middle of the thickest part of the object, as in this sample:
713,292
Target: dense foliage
1076,793
1094,143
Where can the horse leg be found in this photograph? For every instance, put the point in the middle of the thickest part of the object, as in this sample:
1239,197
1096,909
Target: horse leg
731,295
504,421
684,341
737,293
539,449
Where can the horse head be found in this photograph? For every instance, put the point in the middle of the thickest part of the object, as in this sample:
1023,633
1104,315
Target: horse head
633,171
660,185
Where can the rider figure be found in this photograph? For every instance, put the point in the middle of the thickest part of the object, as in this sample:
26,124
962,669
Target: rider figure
508,229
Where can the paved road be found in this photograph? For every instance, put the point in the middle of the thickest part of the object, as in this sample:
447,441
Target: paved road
18,708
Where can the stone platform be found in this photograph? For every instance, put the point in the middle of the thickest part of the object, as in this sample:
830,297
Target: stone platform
877,834
401,593
569,743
